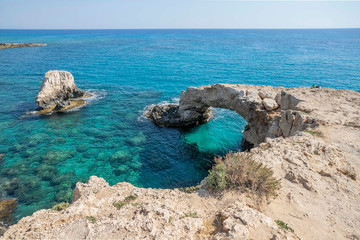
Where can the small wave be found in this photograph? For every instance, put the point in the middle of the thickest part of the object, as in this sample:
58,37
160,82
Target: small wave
91,95
94,94
143,118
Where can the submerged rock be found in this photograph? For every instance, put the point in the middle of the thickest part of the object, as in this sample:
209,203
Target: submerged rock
58,91
7,207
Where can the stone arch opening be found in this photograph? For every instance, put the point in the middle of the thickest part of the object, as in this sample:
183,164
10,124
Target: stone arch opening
269,111
222,134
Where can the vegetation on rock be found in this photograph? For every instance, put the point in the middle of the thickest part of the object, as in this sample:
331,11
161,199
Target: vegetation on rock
190,189
284,225
60,206
127,200
91,219
239,171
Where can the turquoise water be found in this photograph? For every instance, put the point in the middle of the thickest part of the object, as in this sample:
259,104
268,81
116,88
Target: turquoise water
128,70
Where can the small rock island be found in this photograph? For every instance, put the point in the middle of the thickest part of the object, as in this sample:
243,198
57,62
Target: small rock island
18,45
59,93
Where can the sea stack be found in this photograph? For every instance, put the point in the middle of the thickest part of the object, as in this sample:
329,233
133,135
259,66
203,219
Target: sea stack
58,92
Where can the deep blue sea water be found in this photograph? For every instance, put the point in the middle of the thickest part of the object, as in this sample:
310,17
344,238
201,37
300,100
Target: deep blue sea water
128,70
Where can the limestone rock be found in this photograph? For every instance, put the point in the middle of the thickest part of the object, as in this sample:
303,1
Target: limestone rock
167,115
306,107
291,122
57,88
264,95
269,104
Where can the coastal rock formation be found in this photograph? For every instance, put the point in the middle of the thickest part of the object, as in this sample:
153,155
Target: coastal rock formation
99,211
167,115
17,45
58,91
259,105
318,168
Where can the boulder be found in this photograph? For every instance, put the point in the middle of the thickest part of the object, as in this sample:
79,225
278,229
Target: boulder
263,95
270,104
57,89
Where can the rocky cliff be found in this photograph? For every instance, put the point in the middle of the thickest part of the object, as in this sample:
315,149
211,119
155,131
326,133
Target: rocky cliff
309,137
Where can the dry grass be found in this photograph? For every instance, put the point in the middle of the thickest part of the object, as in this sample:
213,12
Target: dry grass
239,171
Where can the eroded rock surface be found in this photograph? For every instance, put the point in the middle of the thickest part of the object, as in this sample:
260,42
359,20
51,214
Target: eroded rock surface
154,214
167,115
57,91
269,111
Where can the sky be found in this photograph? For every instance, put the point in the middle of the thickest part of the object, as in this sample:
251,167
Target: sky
152,14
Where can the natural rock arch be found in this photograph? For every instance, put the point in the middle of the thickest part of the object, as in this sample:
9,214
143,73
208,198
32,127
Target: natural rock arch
269,111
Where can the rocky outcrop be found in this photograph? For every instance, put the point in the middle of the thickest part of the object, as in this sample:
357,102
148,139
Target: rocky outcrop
58,92
151,214
17,45
269,111
167,115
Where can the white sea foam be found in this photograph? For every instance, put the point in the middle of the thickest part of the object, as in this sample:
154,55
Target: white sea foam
92,95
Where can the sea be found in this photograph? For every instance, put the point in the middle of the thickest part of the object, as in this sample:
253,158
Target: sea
127,71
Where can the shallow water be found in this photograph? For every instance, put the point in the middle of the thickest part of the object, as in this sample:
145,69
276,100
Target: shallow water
128,70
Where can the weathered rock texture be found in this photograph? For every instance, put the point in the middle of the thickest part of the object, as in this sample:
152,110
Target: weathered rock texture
57,90
17,45
154,214
318,168
270,111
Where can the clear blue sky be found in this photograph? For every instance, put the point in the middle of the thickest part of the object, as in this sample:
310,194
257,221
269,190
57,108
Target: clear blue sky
116,14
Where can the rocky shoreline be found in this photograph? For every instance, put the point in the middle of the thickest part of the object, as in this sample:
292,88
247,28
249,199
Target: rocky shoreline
17,45
310,138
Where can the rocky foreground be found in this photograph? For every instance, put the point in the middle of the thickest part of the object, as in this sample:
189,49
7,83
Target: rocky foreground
309,137
17,45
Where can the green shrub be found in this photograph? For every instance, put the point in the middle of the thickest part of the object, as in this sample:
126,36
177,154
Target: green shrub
217,178
284,225
314,133
190,214
239,171
190,189
91,219
60,206
127,200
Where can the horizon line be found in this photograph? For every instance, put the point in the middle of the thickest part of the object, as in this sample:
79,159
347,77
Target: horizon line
305,28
